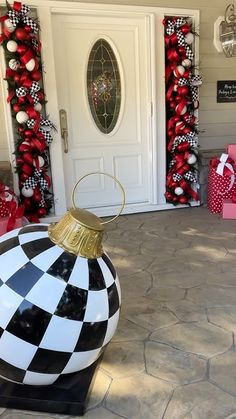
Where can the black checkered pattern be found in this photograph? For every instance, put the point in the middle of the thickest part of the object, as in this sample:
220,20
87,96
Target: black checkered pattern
172,163
35,97
189,52
30,123
47,136
57,311
14,17
180,38
21,91
183,81
176,177
196,80
190,138
29,22
194,92
190,176
180,21
170,28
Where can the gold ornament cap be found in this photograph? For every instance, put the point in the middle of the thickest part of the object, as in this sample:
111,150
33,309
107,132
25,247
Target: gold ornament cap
79,231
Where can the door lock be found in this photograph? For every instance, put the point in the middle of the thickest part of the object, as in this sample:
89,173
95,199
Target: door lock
64,129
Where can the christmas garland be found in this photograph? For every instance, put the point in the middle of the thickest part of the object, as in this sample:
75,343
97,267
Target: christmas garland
181,111
20,40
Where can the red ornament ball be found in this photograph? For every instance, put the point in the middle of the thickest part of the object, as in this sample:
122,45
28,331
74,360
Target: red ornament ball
21,99
28,133
183,200
21,34
27,202
16,78
28,28
36,75
16,107
41,212
21,49
20,130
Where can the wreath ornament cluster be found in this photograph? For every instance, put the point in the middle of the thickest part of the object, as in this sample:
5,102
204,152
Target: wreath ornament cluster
20,40
182,102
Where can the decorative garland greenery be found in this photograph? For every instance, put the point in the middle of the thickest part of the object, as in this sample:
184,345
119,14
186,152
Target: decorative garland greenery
26,96
182,103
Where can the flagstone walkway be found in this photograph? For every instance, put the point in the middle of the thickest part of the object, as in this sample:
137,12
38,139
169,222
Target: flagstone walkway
173,356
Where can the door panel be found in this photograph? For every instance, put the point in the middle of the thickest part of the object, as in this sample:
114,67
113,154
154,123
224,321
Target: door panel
125,151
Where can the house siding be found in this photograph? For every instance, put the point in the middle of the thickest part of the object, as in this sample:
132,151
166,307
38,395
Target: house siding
217,121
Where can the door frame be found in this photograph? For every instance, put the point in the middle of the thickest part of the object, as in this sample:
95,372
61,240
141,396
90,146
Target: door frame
154,15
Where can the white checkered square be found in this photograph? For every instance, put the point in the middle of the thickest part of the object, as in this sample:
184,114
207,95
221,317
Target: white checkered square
46,293
108,277
111,326
38,379
80,360
25,238
97,299
11,262
45,259
11,345
10,302
80,275
67,340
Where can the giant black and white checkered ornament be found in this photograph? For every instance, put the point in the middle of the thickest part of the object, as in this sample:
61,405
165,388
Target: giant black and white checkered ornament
58,311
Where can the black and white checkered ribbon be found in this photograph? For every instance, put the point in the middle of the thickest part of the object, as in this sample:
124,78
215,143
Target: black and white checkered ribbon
30,123
194,92
190,176
189,52
46,135
15,17
183,81
176,177
36,180
196,80
21,91
190,138
172,163
180,38
173,25
46,123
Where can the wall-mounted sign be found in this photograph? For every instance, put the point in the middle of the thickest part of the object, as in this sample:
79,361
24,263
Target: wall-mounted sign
226,91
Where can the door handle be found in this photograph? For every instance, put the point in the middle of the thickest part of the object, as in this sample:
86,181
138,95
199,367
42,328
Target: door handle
64,129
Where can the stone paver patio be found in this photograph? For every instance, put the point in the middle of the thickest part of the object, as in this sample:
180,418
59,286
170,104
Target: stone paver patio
173,356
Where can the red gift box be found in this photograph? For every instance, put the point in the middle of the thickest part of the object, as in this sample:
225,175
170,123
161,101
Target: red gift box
11,215
221,182
229,209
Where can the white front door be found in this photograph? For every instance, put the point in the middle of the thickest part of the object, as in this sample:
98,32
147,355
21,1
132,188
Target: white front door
126,151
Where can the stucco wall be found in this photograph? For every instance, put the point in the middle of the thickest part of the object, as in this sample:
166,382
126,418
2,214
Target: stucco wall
217,121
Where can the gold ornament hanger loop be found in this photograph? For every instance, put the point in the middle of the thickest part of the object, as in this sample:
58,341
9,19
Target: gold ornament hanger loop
112,177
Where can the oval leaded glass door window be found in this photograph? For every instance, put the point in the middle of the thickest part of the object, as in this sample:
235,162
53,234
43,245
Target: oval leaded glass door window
103,86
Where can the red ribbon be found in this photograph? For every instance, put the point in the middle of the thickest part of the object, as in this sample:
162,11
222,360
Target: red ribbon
17,6
27,56
188,190
15,212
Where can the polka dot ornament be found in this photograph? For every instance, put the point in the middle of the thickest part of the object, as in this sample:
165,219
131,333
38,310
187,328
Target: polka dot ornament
218,191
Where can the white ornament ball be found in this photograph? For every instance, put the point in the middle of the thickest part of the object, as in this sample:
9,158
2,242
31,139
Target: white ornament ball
8,24
189,38
179,191
40,162
27,192
38,107
192,159
30,65
186,63
14,64
22,117
12,46
179,71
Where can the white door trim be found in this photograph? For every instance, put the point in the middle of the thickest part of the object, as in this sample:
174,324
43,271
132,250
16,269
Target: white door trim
45,10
